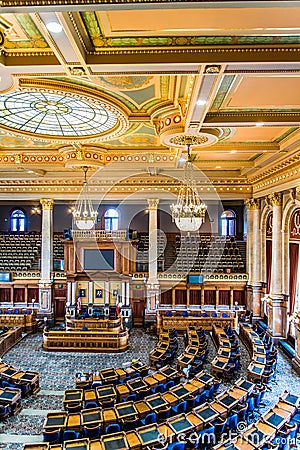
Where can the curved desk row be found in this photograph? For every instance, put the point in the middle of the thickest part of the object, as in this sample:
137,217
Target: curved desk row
259,434
256,348
85,341
145,437
196,348
9,338
180,321
25,380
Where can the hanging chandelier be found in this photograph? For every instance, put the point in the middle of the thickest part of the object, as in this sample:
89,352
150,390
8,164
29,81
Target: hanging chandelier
84,215
188,212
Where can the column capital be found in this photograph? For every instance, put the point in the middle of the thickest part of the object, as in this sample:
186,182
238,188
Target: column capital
275,198
253,203
153,203
47,203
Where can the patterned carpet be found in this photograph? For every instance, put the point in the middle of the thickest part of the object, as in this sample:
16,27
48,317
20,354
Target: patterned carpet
57,372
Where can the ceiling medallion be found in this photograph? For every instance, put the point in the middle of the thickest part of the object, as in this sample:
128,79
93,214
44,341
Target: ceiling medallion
201,139
60,116
181,140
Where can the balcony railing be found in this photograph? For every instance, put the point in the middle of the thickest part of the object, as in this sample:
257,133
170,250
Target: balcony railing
100,235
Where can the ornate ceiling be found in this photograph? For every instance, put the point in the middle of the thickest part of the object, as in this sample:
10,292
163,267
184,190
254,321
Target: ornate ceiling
122,82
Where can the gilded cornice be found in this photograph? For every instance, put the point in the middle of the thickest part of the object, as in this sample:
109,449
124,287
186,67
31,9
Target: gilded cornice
288,164
221,117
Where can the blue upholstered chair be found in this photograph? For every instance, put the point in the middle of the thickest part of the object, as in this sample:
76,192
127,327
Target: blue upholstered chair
112,428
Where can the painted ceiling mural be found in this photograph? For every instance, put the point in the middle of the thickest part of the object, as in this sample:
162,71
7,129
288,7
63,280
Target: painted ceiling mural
114,82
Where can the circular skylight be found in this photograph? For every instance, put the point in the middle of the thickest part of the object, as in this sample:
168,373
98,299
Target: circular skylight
54,116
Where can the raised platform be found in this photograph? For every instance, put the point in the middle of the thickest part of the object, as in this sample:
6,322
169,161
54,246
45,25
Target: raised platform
85,341
93,324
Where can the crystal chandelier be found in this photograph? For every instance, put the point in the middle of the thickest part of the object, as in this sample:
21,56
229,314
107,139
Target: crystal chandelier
84,215
189,211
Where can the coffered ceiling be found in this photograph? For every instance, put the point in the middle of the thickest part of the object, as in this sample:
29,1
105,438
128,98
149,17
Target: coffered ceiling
121,81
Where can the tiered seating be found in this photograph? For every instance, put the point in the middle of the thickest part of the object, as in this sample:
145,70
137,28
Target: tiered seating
195,353
264,356
142,252
26,381
226,363
140,424
165,349
20,251
275,429
135,386
208,254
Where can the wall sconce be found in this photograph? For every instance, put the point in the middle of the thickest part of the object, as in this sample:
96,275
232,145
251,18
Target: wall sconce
35,211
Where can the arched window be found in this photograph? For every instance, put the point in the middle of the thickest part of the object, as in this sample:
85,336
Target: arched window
228,219
111,220
18,220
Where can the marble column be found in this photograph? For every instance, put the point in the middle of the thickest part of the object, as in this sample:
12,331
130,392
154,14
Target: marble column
277,308
152,283
256,268
152,256
250,255
45,283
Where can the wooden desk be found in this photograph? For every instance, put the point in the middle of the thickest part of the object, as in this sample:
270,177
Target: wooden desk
11,397
259,434
54,420
160,377
221,409
133,440
227,400
126,410
169,372
191,387
143,408
205,378
105,393
180,424
149,434
291,399
195,420
44,446
255,371
198,384
206,413
92,416
116,441
245,385
276,418
136,385
89,395
108,376
156,402
74,421
180,391
121,373
151,381
79,444
170,398
122,391
286,406
27,377
109,416
72,396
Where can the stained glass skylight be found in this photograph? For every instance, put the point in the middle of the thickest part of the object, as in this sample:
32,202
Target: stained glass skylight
54,115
